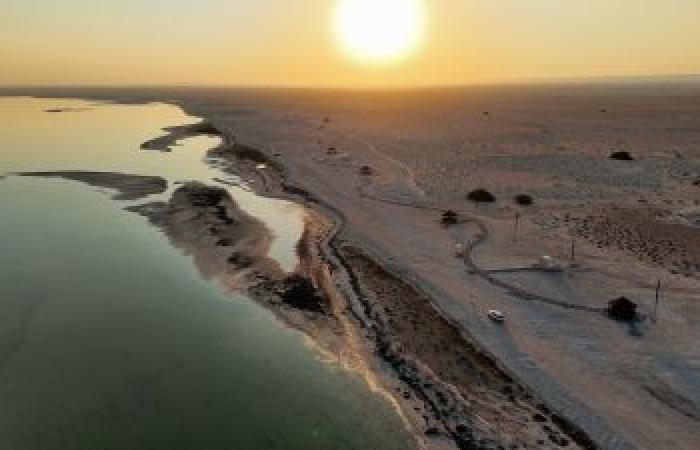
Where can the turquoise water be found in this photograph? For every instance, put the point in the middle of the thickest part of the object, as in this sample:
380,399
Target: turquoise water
110,339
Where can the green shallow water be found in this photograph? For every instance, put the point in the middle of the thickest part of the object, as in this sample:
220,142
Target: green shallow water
109,337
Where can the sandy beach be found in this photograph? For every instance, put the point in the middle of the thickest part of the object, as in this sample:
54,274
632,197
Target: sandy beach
407,295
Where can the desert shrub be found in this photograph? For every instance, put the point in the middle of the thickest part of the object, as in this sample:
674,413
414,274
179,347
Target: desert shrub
622,156
481,196
524,200
622,309
365,170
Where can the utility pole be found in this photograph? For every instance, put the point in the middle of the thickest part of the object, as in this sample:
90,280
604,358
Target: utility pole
515,227
658,298
573,250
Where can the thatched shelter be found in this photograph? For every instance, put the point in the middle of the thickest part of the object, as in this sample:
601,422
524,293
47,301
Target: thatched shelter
622,156
481,196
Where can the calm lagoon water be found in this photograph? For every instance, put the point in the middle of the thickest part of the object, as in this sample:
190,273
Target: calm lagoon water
110,339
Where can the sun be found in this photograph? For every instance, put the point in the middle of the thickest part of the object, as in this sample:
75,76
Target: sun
379,30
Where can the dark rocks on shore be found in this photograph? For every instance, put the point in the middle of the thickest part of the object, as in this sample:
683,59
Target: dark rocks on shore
481,196
300,293
251,154
622,156
432,431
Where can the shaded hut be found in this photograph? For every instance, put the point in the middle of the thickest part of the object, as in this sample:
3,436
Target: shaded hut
622,156
481,196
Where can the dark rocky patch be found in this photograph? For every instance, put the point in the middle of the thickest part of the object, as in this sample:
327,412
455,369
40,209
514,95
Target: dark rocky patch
300,293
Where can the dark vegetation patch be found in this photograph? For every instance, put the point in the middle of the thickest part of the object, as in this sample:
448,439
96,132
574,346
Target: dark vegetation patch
300,293
366,170
481,196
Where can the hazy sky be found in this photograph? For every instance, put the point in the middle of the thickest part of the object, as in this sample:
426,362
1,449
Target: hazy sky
292,42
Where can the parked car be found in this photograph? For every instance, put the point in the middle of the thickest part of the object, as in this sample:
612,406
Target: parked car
496,316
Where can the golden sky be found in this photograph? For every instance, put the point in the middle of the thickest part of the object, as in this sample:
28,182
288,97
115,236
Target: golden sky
292,42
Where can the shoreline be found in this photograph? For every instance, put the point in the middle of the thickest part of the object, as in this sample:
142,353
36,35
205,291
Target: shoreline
561,379
323,266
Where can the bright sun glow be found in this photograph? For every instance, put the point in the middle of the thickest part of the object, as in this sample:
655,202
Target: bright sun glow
380,30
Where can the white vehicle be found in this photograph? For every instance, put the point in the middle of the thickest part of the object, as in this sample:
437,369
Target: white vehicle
496,316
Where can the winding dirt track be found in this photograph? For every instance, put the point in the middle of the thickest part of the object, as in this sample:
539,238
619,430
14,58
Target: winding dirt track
469,246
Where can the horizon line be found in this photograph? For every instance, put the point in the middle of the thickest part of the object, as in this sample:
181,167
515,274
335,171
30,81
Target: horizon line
665,79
